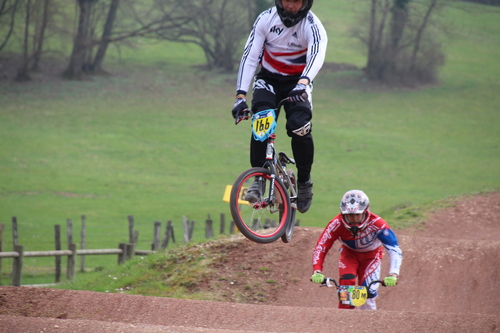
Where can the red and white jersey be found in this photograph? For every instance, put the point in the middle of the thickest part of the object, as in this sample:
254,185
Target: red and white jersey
297,50
376,233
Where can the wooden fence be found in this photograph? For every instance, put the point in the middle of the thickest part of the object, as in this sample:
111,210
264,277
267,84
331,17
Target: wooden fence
125,251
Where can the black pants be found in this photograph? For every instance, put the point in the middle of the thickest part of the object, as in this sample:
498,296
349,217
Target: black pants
268,90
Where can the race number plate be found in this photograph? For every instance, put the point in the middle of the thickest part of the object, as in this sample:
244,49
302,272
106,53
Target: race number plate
353,295
263,124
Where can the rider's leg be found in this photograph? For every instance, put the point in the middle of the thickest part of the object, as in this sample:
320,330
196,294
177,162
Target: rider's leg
369,270
264,97
370,304
299,128
348,267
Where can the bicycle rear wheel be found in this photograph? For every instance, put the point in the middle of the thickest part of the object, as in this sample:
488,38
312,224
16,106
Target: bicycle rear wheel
263,221
291,189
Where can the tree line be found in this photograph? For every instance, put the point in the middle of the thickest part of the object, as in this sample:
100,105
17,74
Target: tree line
401,38
91,26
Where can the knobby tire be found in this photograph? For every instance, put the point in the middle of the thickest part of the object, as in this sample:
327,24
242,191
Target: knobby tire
287,235
256,221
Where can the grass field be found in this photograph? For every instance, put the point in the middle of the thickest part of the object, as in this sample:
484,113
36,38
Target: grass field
156,139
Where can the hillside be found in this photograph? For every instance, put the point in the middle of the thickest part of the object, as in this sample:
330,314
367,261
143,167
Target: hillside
449,283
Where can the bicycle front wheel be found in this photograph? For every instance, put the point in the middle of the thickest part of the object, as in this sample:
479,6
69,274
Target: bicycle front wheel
291,186
263,220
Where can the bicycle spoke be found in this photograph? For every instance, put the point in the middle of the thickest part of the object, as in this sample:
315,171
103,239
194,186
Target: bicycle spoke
261,221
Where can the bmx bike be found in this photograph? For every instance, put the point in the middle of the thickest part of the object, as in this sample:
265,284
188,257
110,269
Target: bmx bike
272,216
351,295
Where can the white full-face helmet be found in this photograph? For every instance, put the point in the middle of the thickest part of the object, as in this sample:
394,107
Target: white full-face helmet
290,19
355,202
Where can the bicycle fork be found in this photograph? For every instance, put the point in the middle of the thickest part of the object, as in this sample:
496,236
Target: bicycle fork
270,159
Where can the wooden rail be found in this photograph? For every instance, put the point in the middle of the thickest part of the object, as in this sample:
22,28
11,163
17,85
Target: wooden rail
124,252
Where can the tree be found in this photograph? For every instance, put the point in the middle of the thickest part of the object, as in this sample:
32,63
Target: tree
81,41
138,19
39,34
106,35
217,26
22,71
402,45
8,10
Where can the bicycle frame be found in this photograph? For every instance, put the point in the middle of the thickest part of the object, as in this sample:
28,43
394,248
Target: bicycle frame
277,166
277,163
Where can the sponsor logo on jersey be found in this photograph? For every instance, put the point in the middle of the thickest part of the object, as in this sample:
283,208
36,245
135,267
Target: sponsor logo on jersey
276,30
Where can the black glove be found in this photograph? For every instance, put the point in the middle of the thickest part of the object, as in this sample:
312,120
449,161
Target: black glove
298,94
239,106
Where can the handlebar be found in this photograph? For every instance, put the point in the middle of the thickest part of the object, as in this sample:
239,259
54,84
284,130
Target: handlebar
245,114
328,282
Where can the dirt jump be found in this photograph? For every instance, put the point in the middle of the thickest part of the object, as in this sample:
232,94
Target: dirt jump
449,283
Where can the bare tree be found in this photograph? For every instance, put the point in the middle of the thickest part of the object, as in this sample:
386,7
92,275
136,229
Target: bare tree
81,41
8,10
217,26
22,71
138,19
39,33
106,36
402,41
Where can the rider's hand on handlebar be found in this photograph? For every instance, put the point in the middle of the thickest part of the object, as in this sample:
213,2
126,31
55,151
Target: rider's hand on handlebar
391,280
317,277
239,106
298,94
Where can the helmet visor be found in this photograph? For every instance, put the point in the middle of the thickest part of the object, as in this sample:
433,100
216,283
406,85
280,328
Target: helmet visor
355,220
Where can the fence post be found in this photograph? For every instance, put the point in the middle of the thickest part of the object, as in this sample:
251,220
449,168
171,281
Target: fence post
70,274
166,236
171,232
130,250
14,231
191,229
231,228
131,229
185,222
17,266
69,228
83,240
57,236
122,257
209,232
156,236
222,223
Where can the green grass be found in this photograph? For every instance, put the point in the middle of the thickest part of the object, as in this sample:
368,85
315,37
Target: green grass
175,273
158,142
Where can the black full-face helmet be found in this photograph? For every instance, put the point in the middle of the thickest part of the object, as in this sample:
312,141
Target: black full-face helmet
290,19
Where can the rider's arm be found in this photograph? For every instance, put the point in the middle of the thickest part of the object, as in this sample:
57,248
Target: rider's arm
324,243
390,243
251,54
316,50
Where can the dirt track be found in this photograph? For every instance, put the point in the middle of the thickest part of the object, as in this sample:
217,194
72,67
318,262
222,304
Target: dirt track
449,283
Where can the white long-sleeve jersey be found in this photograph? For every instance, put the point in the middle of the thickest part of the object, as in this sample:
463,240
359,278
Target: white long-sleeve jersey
297,50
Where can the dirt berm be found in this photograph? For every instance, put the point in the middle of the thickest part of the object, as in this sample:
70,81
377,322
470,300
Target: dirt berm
449,283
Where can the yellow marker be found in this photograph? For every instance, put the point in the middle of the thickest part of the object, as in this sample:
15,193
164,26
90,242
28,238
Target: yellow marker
227,194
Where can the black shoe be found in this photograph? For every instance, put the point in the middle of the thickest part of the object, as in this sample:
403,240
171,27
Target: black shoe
253,193
304,196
